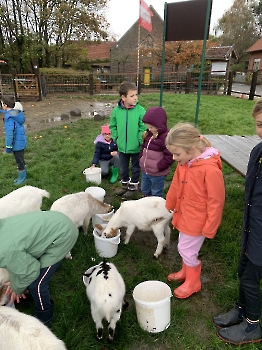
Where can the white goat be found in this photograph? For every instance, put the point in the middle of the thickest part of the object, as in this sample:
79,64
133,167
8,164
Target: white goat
148,213
19,331
22,200
80,207
105,289
4,277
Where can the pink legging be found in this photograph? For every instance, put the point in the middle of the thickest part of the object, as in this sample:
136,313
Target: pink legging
188,248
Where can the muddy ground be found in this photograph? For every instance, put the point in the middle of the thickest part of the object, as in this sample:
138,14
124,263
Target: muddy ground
54,111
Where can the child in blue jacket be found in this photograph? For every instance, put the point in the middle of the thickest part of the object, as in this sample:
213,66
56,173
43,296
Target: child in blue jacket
15,137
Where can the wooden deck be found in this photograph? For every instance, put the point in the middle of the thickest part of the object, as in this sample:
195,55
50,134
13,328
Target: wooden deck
235,150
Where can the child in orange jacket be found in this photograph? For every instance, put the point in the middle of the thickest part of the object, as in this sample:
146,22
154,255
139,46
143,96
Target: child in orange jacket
196,197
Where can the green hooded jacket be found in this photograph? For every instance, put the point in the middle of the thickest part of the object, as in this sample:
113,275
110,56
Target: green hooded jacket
127,127
32,241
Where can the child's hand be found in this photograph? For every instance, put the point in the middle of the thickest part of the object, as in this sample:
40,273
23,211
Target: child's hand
8,150
14,296
113,154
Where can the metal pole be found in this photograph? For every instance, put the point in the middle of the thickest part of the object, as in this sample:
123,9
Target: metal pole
138,50
163,58
202,60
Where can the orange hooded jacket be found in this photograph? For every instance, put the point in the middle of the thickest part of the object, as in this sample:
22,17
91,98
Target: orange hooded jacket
197,197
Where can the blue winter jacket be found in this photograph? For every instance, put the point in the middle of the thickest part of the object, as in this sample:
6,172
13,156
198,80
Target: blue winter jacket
15,136
103,149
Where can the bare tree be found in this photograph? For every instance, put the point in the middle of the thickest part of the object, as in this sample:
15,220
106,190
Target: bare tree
41,30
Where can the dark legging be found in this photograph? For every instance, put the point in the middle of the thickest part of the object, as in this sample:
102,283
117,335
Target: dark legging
124,167
249,288
19,158
39,288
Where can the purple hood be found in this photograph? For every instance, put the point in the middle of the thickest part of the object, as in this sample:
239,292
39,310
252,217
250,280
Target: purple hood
157,117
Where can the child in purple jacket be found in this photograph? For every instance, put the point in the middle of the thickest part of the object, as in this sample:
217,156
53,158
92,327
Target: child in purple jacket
155,159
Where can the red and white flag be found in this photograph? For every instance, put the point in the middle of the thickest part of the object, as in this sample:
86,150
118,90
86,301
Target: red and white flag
145,15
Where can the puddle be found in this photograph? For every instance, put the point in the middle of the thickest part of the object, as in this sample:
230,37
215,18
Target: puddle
88,111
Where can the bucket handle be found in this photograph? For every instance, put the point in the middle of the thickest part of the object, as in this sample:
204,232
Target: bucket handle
118,241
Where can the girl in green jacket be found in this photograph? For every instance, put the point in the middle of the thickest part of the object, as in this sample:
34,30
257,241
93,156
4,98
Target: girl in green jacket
33,245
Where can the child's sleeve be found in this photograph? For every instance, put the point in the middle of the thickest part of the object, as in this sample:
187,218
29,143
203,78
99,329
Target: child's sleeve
172,192
141,126
113,125
215,203
97,154
9,132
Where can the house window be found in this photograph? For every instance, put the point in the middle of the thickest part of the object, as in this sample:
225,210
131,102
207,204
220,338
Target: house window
256,64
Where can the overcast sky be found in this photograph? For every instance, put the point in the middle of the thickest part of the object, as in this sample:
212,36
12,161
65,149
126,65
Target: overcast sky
124,13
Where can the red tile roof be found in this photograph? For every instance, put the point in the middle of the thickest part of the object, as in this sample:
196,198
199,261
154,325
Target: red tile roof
256,47
99,51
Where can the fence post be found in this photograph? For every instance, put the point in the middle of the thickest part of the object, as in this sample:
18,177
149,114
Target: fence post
14,82
91,84
230,83
253,85
188,82
38,78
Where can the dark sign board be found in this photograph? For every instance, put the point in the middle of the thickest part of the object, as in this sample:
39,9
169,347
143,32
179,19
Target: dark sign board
186,20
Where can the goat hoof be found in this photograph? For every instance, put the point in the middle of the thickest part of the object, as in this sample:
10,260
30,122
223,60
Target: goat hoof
99,334
125,305
111,333
155,257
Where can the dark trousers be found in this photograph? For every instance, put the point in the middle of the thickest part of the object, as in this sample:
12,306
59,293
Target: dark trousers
39,288
124,167
19,158
249,288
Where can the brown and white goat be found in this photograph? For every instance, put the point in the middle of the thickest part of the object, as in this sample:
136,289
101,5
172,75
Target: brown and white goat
148,213
80,207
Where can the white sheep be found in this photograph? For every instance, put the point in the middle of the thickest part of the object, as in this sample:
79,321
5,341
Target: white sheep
19,331
105,289
4,277
148,213
80,207
22,200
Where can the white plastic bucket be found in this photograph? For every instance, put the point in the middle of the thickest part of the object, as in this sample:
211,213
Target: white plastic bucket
102,218
153,307
106,247
93,175
96,192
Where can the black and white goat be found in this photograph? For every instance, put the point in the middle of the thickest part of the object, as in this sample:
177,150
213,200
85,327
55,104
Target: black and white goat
105,289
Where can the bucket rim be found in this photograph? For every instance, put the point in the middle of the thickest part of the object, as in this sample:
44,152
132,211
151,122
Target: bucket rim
152,302
94,170
113,240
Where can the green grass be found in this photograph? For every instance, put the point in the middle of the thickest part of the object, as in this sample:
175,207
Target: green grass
55,162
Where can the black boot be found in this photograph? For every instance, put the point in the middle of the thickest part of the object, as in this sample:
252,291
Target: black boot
240,334
234,316
132,191
123,189
46,316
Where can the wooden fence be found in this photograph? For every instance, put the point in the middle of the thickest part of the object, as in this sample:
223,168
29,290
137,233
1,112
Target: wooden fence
34,86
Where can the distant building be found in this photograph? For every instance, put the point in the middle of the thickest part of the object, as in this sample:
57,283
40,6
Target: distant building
220,57
124,54
255,59
98,53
